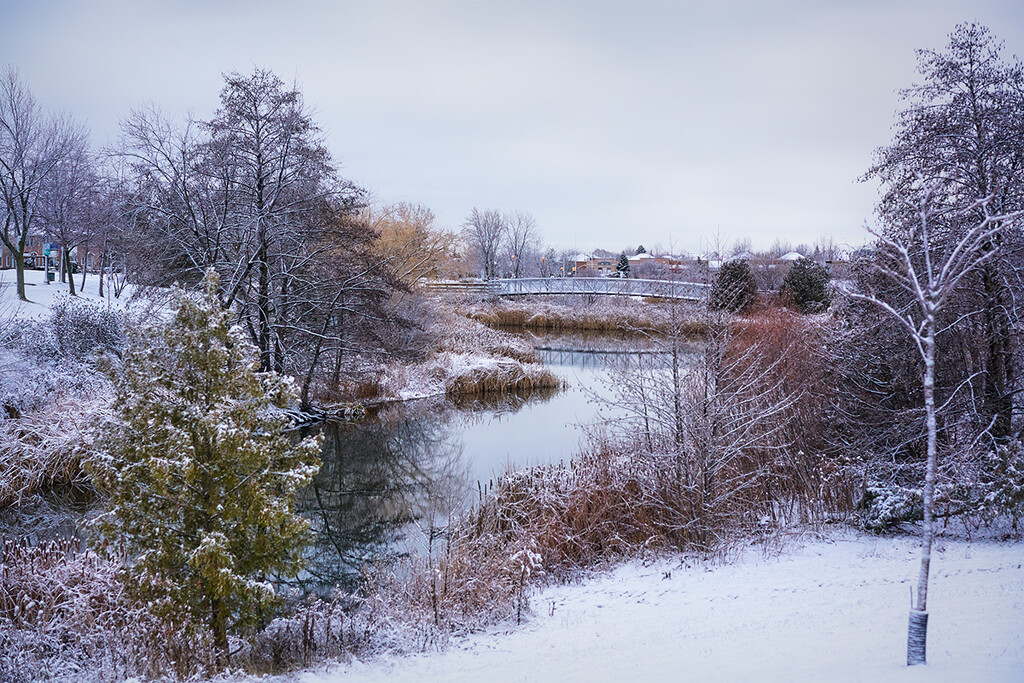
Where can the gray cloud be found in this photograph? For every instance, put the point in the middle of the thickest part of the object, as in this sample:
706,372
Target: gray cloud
613,122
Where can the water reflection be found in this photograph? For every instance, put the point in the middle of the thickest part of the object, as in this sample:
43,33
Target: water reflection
384,482
387,481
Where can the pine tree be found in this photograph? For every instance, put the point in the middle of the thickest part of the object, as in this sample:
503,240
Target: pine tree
806,284
734,288
199,474
622,267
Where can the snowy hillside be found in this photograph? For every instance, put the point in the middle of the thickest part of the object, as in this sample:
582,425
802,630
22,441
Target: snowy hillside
824,610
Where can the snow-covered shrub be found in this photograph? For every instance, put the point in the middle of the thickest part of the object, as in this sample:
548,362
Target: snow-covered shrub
64,616
886,506
1004,482
25,384
79,327
31,338
991,491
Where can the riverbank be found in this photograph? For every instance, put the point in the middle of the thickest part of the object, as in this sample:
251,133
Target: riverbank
822,607
600,314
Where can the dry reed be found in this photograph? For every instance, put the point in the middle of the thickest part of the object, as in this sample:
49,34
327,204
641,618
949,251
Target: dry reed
46,450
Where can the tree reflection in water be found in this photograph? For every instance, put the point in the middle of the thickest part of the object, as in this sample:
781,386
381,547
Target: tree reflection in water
387,481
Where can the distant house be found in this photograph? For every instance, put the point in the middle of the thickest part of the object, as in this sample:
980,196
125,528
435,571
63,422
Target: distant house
35,248
588,264
35,245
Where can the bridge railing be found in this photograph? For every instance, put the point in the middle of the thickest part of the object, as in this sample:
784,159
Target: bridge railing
668,289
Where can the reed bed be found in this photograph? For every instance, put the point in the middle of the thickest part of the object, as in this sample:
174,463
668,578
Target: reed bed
46,450
502,378
598,317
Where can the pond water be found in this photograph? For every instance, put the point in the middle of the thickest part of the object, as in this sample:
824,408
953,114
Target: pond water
386,481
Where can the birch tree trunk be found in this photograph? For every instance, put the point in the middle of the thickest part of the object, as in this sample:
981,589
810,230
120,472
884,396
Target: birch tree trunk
917,626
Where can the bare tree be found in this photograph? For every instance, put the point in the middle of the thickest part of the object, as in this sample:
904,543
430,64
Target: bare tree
485,232
720,408
408,242
31,147
521,239
926,270
252,193
67,203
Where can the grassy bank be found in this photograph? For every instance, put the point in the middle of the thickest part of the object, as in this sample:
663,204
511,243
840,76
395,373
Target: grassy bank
603,315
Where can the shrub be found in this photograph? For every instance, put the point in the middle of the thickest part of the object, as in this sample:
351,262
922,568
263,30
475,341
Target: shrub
734,288
886,506
80,327
806,286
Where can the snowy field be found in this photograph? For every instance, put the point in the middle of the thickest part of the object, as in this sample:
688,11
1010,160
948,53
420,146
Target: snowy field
823,610
41,296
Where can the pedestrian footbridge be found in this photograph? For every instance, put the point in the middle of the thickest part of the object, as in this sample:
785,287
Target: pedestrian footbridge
600,286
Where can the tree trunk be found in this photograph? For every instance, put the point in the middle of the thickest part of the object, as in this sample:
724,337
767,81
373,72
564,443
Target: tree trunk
19,267
85,267
67,267
998,395
263,311
917,629
218,624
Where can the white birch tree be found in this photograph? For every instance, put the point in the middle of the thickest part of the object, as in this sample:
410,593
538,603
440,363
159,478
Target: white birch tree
926,268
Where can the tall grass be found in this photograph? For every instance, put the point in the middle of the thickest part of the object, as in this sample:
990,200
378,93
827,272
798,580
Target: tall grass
596,317
46,450
502,378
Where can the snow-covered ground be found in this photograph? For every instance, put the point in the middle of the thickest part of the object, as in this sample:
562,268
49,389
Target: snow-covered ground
41,296
822,610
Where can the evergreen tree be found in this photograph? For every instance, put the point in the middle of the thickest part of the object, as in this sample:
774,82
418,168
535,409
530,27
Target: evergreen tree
641,250
622,267
734,289
806,284
199,474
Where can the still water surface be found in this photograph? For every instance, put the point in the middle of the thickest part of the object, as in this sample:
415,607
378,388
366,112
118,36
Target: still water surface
387,480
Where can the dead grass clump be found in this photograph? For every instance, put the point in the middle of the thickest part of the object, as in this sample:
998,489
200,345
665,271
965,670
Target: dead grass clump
46,450
502,377
795,347
459,334
603,316
64,616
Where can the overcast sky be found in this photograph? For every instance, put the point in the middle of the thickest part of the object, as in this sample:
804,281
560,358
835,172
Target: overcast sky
614,123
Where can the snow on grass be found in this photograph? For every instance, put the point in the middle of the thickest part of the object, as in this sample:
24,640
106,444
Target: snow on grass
41,296
830,609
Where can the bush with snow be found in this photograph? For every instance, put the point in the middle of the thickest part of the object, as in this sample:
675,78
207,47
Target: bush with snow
886,506
80,327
